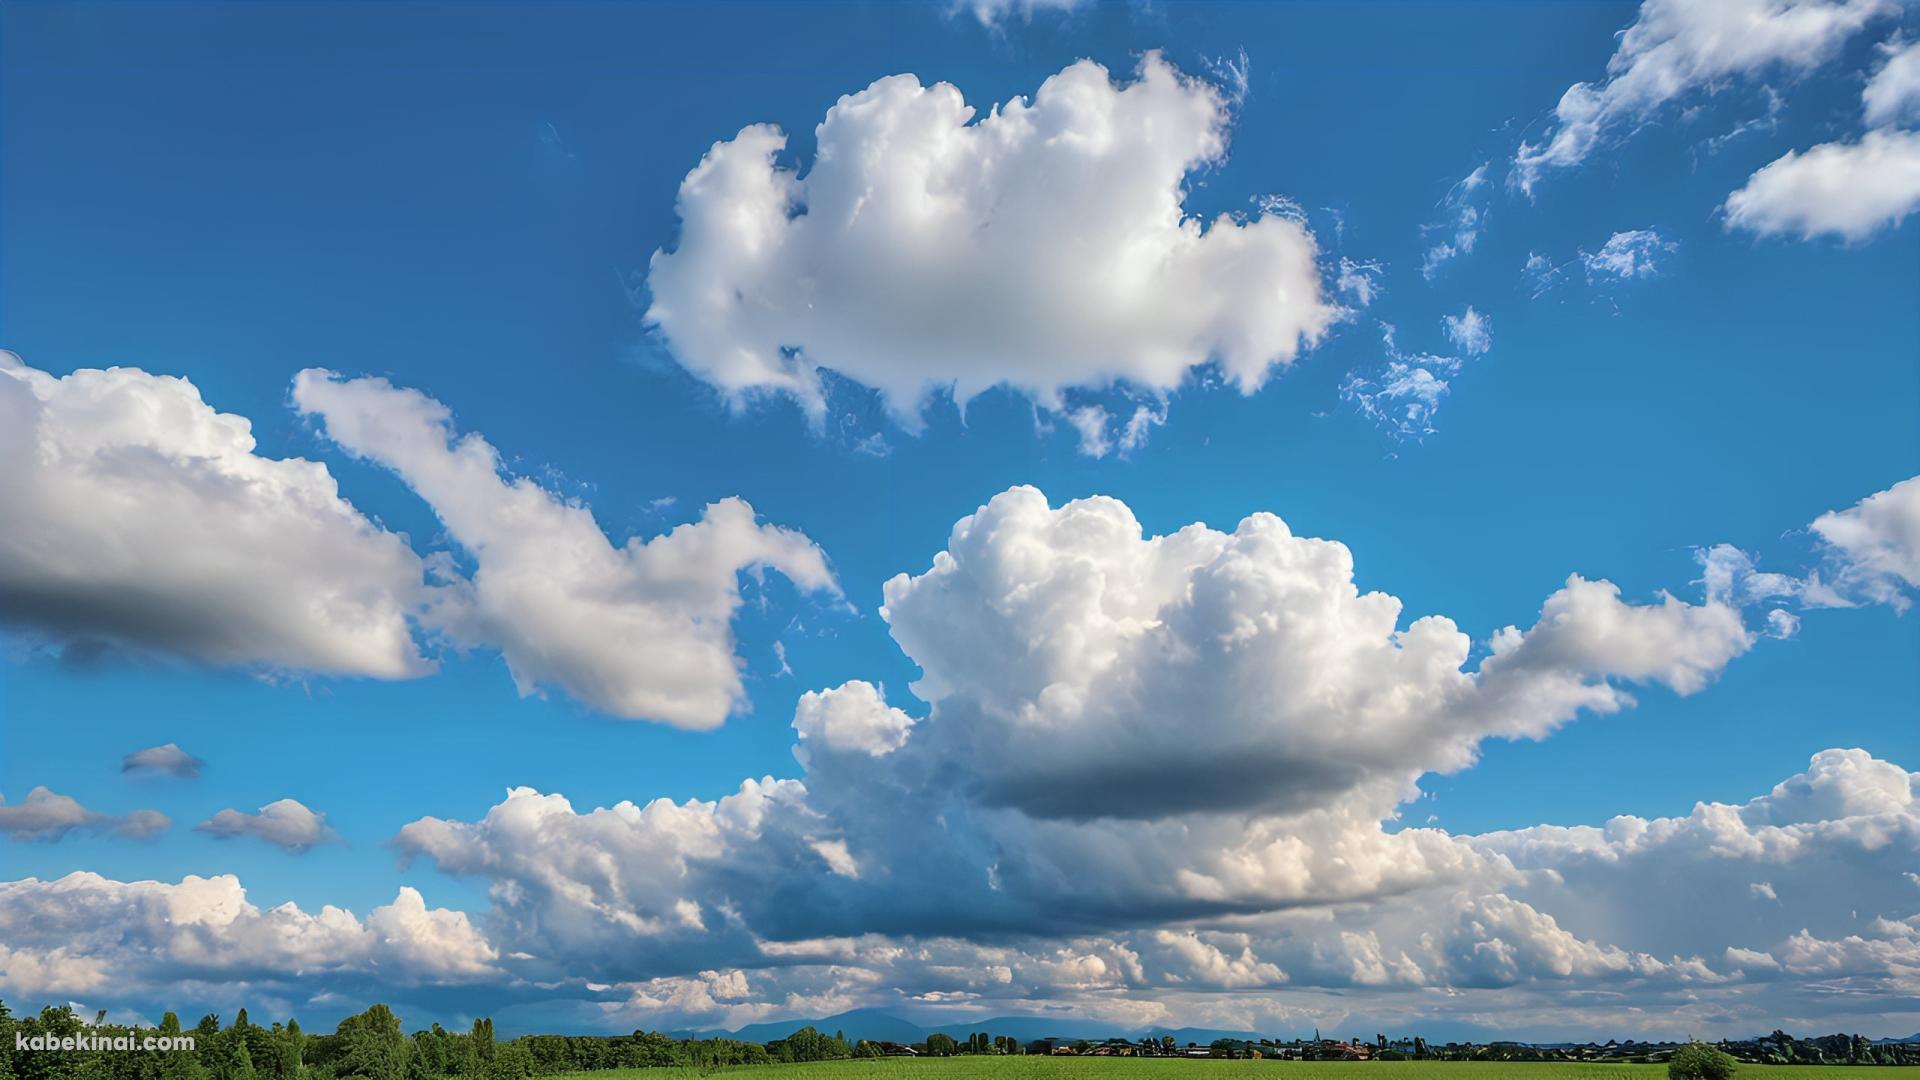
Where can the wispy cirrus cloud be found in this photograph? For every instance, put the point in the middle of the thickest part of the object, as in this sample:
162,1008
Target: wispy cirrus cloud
1677,48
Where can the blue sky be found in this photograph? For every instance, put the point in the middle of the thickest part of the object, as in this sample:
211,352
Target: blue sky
464,202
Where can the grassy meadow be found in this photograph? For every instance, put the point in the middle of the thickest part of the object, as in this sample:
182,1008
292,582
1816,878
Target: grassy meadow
1089,1068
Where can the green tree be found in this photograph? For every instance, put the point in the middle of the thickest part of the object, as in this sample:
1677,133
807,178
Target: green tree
1699,1061
6,1042
178,1063
225,1053
482,1036
371,1046
284,1056
511,1061
808,1044
941,1044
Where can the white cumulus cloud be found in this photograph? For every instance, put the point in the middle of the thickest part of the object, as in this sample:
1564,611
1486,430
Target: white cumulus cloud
138,515
1122,730
48,815
1042,246
1846,189
286,824
852,717
86,934
1876,544
642,629
1892,96
166,758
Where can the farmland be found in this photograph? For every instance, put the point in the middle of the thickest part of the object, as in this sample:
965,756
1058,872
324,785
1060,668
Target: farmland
1071,1068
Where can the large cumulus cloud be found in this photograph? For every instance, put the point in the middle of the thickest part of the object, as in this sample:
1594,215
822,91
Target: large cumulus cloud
1122,730
1711,922
1207,670
1042,246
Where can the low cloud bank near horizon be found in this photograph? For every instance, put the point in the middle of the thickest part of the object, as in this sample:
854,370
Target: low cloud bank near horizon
1142,779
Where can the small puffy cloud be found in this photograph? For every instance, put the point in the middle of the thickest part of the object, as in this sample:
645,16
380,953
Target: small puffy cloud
1678,47
854,717
1874,546
1101,433
1730,577
138,515
639,630
143,825
1470,330
286,824
1042,246
44,816
1892,96
1634,253
1850,190
167,758
47,815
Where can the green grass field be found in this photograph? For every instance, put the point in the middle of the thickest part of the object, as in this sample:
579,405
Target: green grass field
1068,1068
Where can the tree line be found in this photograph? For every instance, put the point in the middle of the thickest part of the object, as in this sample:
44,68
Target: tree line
365,1046
372,1045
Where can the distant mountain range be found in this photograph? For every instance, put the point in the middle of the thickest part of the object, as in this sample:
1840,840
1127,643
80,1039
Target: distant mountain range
877,1026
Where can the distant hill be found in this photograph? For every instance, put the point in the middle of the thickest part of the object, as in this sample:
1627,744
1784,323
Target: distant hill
870,1024
878,1026
1203,1036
